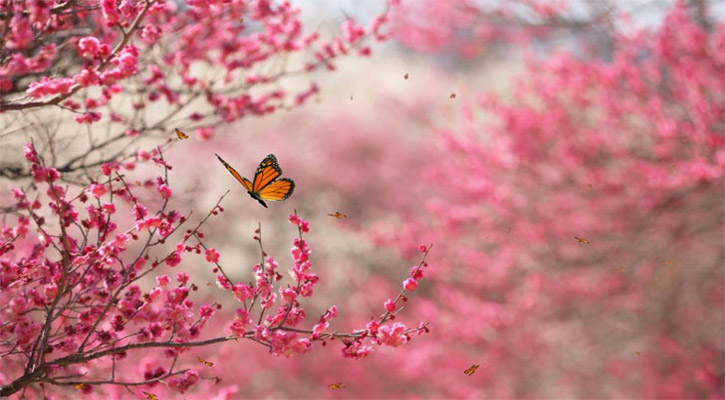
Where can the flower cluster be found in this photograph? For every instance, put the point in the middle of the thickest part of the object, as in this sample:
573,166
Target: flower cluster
79,304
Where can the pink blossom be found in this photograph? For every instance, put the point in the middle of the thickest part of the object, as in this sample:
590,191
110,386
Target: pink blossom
319,329
91,47
302,224
410,284
182,384
240,322
211,255
392,335
147,223
18,305
87,77
6,85
356,350
164,190
41,174
390,305
18,193
182,278
173,260
289,295
49,87
97,190
243,292
352,32
143,155
302,346
50,290
110,12
150,34
88,117
162,280
107,168
20,34
223,283
29,152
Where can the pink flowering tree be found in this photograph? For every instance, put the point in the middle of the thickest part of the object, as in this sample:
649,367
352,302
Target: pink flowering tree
578,220
91,230
77,306
140,69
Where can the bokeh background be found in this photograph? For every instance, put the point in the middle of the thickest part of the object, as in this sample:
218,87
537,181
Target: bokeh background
498,132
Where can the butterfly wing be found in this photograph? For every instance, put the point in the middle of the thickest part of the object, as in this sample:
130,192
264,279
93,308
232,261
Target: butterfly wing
266,173
278,190
181,135
244,181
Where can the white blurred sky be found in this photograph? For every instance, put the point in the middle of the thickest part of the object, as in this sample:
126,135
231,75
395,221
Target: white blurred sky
645,12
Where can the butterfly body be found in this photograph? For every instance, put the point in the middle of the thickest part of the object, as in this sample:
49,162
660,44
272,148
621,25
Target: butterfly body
470,370
267,185
181,135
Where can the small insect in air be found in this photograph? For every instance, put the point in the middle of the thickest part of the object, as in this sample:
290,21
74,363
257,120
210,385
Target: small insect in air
406,76
471,369
181,135
452,96
151,396
265,186
335,386
205,362
581,240
338,215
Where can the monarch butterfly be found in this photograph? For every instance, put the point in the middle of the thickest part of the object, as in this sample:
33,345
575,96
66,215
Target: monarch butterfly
334,386
338,215
181,135
471,369
205,362
581,240
265,186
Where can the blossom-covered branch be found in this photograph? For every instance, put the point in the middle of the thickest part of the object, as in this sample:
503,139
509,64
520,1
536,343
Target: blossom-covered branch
75,295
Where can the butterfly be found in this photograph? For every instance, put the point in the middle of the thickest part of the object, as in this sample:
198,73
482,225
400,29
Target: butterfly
265,186
581,240
338,215
181,135
151,396
471,369
205,362
334,386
